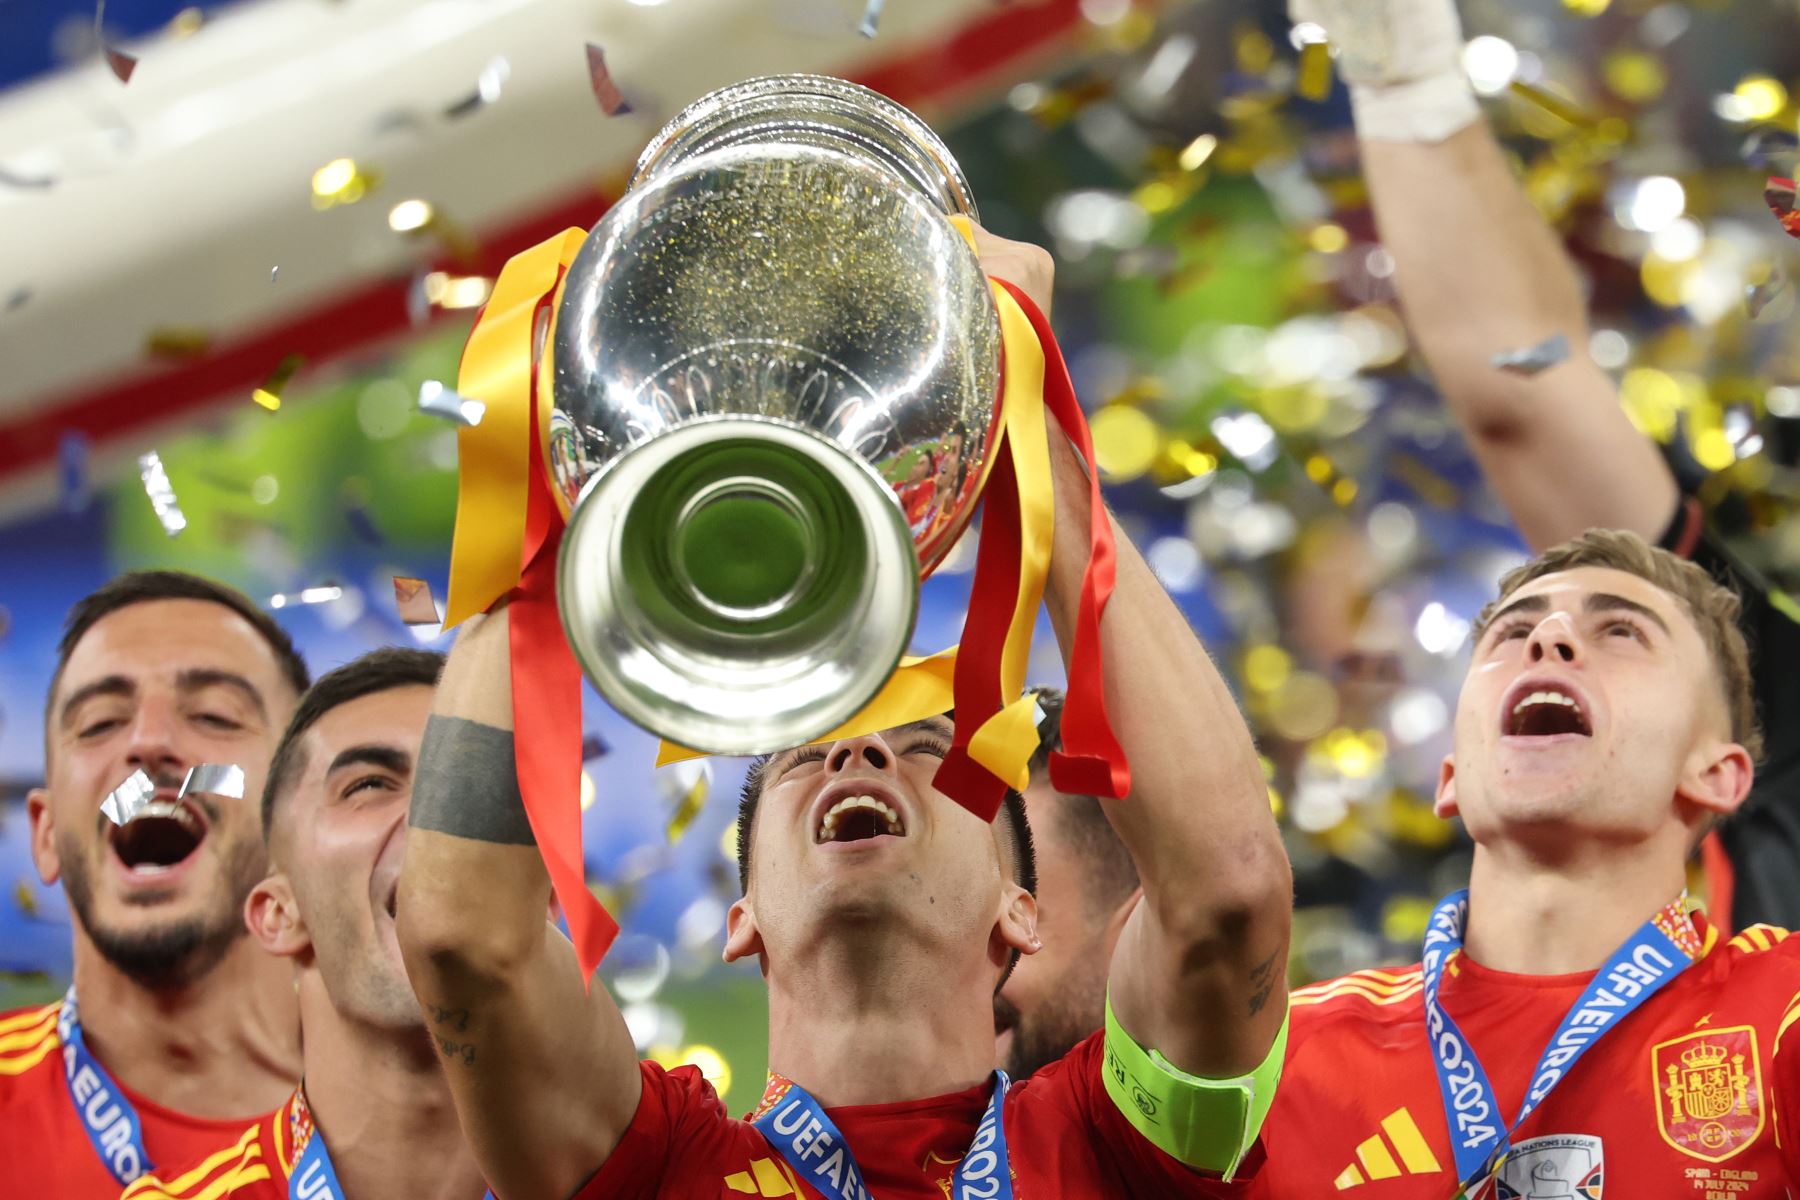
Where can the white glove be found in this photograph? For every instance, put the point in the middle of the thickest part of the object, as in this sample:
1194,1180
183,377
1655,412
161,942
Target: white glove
1403,62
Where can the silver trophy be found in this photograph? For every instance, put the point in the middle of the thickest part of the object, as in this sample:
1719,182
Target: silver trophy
776,371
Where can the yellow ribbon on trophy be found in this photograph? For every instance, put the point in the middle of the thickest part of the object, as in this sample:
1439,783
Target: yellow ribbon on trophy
493,456
925,687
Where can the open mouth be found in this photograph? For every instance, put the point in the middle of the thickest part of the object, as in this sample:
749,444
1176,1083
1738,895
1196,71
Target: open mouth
857,819
1546,712
162,835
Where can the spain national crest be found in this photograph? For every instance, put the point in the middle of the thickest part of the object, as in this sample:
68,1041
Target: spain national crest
1709,1092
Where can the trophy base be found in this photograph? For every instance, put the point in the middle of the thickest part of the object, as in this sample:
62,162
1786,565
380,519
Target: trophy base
738,584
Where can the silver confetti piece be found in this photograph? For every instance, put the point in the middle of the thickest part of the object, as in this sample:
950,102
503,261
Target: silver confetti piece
1534,359
871,18
161,493
129,798
1758,296
440,401
215,779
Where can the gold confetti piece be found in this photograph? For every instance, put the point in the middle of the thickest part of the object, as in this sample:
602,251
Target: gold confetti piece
177,341
871,18
1533,360
688,807
1314,79
612,101
27,899
161,493
1551,103
269,394
413,598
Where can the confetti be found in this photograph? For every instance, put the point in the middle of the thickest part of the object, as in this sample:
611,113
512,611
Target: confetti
323,594
488,86
1314,79
26,898
1778,194
594,746
1758,296
440,401
871,18
612,101
1551,103
161,493
121,63
1765,147
413,598
177,341
269,394
687,785
214,779
18,299
274,271
128,799
72,472
12,178
1533,360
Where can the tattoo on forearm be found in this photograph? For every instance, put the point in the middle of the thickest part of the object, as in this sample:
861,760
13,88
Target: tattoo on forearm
456,1051
453,1018
467,783
1263,978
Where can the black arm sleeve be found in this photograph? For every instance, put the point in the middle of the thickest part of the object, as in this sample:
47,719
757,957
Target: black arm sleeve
1763,838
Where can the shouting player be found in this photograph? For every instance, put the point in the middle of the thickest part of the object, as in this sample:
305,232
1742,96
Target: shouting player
178,1027
373,1117
884,917
1572,1024
1087,888
1480,272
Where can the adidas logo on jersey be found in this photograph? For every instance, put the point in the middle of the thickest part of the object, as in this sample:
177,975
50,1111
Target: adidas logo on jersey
1402,1151
766,1178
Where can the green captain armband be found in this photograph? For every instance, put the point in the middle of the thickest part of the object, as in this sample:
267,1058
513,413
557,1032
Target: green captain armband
1206,1123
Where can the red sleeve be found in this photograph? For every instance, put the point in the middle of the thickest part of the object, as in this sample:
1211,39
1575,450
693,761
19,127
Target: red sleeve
1786,1092
1147,1170
675,1110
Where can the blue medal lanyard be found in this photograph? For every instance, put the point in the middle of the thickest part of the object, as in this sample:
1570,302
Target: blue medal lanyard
100,1105
799,1129
314,1178
1656,953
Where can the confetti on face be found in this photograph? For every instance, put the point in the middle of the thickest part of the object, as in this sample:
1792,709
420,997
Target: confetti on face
1534,359
1778,194
440,401
129,798
161,493
215,779
612,101
871,19
413,598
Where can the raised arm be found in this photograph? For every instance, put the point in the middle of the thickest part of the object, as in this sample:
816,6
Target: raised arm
544,1072
1200,970
1479,273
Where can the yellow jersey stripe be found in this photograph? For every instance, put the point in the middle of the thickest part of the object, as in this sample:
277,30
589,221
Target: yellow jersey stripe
247,1149
31,1016
1407,1139
18,1064
1373,985
27,1038
1372,997
224,1185
1792,1015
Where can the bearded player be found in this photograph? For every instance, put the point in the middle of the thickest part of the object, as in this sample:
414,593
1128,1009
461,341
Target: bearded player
1087,888
1480,272
883,916
178,1027
372,1117
1605,722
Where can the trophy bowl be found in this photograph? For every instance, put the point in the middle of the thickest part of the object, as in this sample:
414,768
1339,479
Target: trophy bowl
775,376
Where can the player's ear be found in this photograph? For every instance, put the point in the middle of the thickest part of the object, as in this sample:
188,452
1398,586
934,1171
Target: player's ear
274,918
1716,778
43,835
742,937
1017,927
1446,789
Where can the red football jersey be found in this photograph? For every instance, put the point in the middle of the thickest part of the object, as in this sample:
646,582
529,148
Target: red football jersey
1064,1136
44,1147
1693,1095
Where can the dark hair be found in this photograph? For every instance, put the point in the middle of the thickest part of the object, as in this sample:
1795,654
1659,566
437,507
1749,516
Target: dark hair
1081,822
1012,807
377,671
142,587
